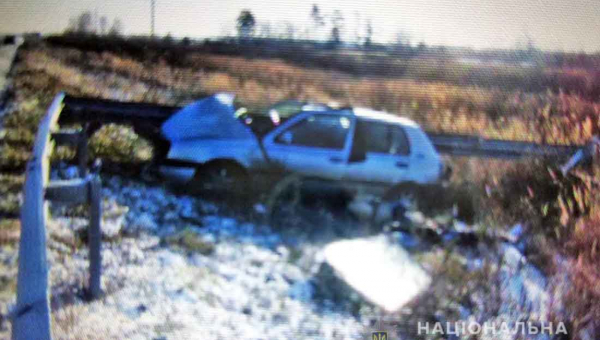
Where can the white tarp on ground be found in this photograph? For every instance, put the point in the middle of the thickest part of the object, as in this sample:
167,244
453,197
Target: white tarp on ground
384,273
209,118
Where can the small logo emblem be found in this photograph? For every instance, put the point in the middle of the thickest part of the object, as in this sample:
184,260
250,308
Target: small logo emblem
379,336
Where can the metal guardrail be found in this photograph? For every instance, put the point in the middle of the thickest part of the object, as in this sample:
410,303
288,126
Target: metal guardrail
464,145
31,315
110,111
102,111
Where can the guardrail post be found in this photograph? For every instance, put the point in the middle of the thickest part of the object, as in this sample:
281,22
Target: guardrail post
95,238
82,152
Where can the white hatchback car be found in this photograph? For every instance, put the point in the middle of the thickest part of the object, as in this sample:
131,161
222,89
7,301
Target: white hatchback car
343,146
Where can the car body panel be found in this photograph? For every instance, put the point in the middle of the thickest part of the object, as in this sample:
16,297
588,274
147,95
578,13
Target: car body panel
426,165
309,161
245,152
421,164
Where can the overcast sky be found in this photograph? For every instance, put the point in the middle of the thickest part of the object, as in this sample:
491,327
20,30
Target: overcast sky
550,24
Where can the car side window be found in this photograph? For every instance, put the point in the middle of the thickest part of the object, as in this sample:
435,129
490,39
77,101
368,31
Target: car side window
376,136
318,131
383,138
400,144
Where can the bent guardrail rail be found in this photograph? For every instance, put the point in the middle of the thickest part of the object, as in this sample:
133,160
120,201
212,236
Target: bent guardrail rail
473,146
31,315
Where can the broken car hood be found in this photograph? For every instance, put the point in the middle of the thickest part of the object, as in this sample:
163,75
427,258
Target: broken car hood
209,118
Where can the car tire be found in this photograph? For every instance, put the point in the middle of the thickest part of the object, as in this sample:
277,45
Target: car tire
284,202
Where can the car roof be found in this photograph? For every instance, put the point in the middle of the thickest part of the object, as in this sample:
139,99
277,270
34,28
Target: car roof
370,114
382,116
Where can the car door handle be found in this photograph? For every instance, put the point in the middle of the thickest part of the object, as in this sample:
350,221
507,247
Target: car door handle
335,159
401,165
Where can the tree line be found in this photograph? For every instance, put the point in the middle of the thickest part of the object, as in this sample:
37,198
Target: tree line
328,27
91,23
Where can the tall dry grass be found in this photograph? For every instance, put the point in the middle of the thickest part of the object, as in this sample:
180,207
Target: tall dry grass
438,106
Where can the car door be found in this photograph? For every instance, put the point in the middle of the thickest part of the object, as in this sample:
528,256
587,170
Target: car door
386,153
313,144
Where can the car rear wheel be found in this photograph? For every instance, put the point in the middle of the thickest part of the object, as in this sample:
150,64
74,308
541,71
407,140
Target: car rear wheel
284,202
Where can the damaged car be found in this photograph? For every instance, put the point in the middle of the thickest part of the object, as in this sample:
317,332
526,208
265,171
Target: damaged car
214,146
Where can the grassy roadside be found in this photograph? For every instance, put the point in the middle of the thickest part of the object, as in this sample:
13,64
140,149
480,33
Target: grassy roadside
561,213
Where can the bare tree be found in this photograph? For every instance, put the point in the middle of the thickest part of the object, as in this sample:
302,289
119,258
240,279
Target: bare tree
337,24
335,40
246,23
168,40
83,23
103,24
88,23
117,28
317,19
368,34
358,34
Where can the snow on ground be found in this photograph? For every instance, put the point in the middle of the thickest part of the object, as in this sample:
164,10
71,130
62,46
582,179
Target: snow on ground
179,267
249,286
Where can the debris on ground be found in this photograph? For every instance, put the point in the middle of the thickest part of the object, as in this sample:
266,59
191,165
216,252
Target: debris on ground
180,266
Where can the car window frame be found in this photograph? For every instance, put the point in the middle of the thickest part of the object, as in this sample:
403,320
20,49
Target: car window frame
390,131
406,139
304,117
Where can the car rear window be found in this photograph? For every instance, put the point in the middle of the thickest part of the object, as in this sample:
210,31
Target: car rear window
384,138
400,144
